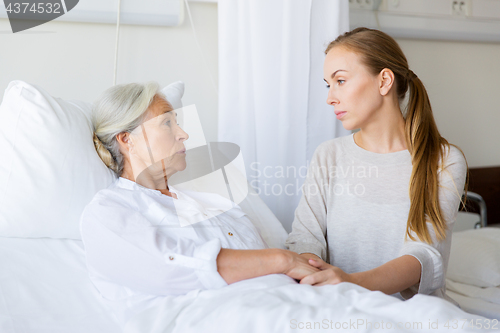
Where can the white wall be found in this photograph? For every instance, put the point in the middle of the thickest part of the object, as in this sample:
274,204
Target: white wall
463,83
75,60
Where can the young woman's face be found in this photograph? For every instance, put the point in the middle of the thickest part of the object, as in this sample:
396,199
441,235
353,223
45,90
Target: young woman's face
352,90
159,138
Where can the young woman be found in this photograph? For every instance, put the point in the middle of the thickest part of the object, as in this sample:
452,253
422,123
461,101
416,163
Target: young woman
378,205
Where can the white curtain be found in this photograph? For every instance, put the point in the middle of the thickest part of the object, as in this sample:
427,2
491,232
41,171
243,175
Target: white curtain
272,97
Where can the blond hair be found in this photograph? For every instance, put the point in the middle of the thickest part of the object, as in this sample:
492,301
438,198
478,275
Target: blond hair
377,51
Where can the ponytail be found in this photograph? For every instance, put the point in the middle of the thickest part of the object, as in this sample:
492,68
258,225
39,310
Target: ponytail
427,147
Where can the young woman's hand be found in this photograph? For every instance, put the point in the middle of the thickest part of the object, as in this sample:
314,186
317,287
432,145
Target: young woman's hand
328,274
309,255
297,266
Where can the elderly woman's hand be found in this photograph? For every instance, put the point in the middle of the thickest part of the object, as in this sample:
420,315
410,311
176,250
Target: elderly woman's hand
328,274
297,266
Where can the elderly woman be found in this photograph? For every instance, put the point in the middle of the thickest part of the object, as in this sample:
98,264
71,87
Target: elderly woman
137,241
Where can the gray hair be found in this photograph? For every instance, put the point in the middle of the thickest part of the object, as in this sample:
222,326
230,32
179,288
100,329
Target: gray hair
120,108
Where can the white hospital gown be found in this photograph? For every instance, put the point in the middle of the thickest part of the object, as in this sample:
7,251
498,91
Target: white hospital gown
140,245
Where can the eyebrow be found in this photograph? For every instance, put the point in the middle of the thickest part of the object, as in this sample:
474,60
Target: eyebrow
335,73
167,111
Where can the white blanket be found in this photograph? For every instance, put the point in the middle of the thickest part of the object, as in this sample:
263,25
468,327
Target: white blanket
477,300
277,303
491,294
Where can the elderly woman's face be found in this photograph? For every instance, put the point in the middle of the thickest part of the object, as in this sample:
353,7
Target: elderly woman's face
158,143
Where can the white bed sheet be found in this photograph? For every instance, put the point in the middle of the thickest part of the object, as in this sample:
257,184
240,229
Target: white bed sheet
476,306
481,301
44,288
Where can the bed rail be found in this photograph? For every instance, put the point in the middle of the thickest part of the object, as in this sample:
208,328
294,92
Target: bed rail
479,201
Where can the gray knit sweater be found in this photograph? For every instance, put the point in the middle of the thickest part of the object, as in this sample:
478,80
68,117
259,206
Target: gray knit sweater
354,209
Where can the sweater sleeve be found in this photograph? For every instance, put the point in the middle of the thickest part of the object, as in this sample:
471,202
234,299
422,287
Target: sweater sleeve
434,257
309,225
124,248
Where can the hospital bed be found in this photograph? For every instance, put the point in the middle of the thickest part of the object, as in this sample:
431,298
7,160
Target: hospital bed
473,277
50,170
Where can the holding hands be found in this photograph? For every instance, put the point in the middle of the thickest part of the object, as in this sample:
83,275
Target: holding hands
328,274
312,270
297,266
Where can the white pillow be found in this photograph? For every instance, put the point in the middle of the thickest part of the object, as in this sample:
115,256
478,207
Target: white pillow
49,169
475,257
174,93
